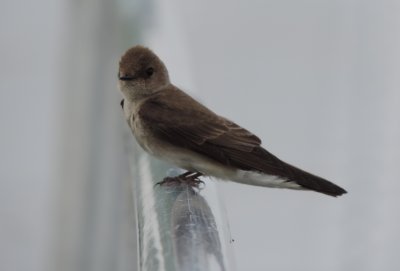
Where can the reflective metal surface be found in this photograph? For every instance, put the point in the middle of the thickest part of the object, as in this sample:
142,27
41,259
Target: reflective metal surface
179,227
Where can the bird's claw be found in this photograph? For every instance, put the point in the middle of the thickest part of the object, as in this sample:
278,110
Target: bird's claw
178,180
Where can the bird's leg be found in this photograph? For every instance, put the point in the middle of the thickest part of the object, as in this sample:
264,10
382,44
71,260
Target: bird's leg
185,175
193,179
189,177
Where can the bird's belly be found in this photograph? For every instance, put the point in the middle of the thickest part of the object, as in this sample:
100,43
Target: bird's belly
191,161
180,157
194,162
143,137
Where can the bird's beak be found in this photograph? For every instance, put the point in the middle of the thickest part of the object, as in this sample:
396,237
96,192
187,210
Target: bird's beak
126,77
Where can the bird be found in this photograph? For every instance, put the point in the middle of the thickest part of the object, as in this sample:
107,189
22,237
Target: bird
172,126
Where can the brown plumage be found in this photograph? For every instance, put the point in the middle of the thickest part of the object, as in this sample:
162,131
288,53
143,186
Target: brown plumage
172,125
200,130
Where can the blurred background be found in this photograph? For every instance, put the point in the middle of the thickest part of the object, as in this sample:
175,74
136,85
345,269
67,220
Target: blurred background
317,80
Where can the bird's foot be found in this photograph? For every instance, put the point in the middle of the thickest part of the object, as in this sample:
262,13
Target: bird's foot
188,178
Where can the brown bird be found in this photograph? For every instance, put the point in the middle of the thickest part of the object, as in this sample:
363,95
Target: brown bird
172,126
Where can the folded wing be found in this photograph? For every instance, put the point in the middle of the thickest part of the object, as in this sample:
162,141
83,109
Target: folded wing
202,131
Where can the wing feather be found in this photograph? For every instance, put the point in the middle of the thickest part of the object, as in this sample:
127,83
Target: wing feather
186,123
210,135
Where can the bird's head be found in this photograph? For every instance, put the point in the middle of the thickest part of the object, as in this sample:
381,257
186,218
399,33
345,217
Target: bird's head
141,72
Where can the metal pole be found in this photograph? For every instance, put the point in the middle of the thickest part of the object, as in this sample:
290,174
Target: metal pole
179,227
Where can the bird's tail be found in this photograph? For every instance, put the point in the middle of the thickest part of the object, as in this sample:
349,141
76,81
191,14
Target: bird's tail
318,184
300,180
262,168
308,181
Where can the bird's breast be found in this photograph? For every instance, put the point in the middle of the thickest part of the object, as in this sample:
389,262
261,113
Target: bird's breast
142,135
175,155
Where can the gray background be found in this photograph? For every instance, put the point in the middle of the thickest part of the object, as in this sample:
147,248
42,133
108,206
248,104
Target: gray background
318,81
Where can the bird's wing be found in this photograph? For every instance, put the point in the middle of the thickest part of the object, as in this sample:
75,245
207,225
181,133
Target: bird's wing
184,122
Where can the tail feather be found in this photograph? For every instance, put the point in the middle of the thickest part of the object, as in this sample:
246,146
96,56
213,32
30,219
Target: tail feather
312,182
292,174
272,165
320,185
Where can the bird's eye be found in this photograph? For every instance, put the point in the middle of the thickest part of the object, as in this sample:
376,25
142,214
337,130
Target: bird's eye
150,71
